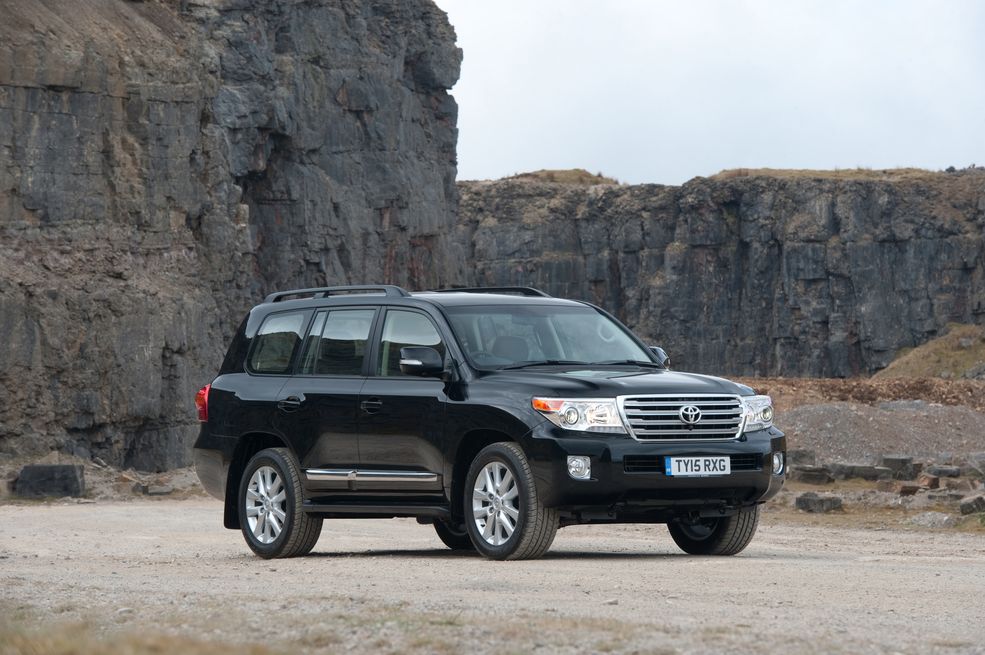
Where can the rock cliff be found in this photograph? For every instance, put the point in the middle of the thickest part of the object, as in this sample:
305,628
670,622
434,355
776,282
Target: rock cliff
164,164
780,273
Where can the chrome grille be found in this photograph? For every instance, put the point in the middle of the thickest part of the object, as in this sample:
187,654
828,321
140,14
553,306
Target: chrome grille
659,417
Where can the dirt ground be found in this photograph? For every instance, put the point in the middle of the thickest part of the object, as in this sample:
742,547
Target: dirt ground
164,576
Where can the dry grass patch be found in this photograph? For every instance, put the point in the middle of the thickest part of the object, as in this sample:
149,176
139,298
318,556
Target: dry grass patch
577,176
959,353
80,639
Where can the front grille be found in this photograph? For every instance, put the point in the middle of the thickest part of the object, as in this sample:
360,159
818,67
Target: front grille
659,417
655,463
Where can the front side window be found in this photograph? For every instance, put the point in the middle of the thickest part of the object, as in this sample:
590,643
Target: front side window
403,329
337,342
276,341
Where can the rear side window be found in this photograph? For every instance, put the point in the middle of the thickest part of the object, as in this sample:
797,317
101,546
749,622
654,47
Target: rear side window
337,344
276,341
403,329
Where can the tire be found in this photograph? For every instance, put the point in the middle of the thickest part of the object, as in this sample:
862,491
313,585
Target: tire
491,501
455,537
727,535
270,495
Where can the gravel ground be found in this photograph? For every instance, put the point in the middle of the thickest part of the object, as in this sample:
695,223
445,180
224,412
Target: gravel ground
128,571
845,431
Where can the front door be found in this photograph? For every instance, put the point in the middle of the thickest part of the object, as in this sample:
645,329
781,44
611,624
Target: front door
401,425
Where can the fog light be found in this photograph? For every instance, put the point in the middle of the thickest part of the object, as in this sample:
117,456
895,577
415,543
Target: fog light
579,467
777,463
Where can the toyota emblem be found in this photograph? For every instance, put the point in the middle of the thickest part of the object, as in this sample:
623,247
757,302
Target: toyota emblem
690,414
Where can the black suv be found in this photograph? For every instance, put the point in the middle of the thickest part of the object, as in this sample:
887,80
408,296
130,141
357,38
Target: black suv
497,415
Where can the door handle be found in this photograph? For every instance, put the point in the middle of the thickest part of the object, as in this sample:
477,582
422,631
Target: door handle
371,406
289,404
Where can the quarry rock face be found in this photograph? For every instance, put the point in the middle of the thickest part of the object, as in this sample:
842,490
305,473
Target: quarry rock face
163,165
785,274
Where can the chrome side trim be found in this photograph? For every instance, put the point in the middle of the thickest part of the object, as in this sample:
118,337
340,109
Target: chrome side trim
396,476
356,475
328,475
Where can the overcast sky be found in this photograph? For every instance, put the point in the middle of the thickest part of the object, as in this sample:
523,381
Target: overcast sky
652,91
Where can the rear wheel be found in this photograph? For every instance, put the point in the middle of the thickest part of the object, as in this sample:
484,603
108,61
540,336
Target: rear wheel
505,517
270,513
726,535
455,537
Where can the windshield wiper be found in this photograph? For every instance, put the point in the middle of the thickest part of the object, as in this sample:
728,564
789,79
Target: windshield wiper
633,362
542,362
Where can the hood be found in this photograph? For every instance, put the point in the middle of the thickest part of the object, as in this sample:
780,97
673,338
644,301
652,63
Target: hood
588,383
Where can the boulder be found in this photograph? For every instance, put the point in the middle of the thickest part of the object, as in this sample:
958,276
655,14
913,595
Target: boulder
944,471
973,505
812,502
902,467
51,480
929,481
811,475
861,471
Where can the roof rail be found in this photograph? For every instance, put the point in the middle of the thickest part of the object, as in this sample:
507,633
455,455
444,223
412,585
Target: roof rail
523,291
321,292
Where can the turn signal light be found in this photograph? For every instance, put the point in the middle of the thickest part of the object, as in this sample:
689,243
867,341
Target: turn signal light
202,403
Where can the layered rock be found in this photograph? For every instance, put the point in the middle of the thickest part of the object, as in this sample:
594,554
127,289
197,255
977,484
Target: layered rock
164,164
792,274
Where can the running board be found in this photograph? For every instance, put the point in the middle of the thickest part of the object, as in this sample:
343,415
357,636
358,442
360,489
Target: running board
376,510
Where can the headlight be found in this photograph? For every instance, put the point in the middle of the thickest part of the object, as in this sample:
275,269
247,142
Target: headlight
758,412
584,414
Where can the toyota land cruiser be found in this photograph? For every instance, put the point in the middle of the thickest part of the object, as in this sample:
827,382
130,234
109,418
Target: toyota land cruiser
498,415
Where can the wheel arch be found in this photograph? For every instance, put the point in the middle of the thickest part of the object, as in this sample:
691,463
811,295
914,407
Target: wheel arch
247,446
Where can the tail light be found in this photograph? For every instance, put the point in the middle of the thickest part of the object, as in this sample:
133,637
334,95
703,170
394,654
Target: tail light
202,403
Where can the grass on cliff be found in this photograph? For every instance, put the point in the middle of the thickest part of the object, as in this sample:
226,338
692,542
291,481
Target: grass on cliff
959,353
577,176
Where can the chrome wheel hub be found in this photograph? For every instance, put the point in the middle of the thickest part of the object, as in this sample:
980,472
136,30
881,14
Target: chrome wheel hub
495,506
266,504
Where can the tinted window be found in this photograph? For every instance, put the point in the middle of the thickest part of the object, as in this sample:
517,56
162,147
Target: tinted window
403,329
337,344
276,341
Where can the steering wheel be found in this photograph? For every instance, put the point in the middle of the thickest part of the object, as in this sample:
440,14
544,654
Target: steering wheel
598,331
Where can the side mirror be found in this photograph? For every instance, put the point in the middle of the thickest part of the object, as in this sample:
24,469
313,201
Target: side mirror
662,357
421,361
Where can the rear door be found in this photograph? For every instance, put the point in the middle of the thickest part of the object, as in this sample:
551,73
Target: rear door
321,400
401,427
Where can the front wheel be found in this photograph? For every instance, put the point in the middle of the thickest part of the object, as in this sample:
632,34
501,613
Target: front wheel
726,535
504,514
270,512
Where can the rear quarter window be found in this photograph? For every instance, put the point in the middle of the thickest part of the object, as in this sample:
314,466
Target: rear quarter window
277,342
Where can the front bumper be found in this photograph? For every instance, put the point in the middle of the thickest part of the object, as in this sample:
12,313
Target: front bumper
628,482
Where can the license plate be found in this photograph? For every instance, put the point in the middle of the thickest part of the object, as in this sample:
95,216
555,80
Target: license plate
680,467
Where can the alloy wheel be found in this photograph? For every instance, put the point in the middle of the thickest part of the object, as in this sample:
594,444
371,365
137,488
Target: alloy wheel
495,506
266,504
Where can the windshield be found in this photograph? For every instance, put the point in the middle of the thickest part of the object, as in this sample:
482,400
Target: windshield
517,335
